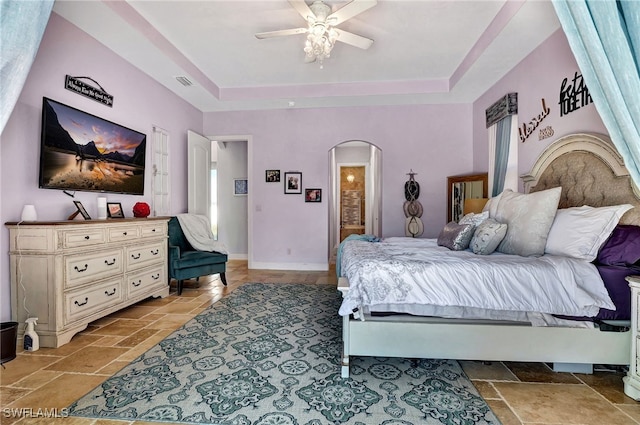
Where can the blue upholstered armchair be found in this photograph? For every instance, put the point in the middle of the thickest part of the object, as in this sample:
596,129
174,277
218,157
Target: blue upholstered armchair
185,262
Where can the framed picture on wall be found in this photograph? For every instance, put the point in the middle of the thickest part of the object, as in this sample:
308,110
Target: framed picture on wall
292,182
240,187
272,176
313,195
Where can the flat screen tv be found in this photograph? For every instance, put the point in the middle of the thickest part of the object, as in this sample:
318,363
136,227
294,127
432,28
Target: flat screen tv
80,151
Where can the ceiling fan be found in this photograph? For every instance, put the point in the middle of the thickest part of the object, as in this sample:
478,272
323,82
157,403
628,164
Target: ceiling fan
321,31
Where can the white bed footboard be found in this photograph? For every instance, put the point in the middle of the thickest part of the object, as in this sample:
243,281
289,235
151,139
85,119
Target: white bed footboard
417,337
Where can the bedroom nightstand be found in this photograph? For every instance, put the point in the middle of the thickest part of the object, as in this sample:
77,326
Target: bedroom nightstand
632,380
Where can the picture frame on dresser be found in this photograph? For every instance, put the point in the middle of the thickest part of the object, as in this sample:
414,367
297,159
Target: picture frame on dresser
80,210
114,210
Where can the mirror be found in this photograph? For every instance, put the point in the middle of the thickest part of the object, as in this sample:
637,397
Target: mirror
459,188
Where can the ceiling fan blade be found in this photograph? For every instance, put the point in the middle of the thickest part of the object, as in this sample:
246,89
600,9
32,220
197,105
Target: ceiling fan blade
280,33
353,39
350,10
302,8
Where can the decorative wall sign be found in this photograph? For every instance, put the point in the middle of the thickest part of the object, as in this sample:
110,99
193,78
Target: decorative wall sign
505,106
527,129
573,96
98,94
545,133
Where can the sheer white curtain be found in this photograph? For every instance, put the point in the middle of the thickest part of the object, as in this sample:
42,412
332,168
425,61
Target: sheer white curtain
22,25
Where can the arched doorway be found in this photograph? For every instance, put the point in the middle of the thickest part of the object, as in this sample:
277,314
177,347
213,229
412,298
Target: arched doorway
355,192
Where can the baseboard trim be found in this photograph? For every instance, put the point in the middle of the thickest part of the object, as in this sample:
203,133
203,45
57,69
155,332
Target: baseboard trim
290,266
237,256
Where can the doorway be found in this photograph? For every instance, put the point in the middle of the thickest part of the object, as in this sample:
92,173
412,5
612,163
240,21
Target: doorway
353,217
355,192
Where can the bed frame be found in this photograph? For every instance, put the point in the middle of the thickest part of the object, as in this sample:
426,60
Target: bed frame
591,173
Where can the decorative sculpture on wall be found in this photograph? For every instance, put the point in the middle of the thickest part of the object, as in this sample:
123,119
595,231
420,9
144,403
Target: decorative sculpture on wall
412,207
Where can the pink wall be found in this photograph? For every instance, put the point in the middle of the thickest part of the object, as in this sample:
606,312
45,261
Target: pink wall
538,76
139,103
429,139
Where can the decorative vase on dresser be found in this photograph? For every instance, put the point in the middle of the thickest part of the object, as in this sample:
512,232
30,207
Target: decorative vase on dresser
70,273
632,380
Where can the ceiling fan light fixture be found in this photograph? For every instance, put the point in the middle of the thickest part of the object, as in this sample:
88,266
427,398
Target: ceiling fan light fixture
320,41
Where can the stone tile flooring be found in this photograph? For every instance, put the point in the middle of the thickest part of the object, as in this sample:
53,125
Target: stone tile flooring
519,393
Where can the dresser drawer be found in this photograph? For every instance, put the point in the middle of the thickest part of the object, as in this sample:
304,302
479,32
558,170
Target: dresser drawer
84,237
82,268
145,255
145,280
154,229
120,234
84,302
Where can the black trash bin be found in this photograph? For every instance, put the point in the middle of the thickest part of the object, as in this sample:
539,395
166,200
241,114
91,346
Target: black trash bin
8,340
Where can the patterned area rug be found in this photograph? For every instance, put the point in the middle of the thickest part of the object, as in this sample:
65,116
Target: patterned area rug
269,354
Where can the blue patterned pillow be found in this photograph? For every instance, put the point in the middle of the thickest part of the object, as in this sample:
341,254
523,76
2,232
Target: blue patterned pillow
456,236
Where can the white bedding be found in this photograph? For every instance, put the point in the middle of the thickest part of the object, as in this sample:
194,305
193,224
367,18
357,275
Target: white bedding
414,271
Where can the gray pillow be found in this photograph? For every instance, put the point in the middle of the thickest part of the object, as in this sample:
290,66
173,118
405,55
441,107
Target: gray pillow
487,237
474,218
528,219
456,236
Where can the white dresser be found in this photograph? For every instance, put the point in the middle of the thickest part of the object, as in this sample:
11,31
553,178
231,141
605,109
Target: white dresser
70,273
632,380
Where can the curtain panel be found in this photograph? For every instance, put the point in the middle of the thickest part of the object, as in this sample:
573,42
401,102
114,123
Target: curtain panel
22,25
605,39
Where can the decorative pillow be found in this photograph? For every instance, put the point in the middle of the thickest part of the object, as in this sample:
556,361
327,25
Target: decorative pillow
456,236
492,205
580,232
487,237
475,219
528,219
622,248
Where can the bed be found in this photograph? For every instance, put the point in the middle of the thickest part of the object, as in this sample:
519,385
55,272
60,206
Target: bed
590,172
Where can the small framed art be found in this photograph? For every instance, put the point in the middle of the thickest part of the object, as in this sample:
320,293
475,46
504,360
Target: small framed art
83,212
292,182
313,195
114,210
240,187
272,176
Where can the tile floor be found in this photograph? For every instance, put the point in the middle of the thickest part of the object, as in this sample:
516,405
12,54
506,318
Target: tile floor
519,393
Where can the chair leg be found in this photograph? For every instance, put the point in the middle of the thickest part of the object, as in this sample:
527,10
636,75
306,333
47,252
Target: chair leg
223,278
180,287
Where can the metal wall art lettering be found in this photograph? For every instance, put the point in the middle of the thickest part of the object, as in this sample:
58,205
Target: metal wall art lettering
98,94
527,129
545,133
573,96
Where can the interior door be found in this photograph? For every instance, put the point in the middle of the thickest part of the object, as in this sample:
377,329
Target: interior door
199,168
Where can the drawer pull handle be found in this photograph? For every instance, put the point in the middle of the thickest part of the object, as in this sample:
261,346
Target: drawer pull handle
153,230
86,300
86,266
134,256
137,284
155,252
155,276
110,263
110,294
124,233
87,237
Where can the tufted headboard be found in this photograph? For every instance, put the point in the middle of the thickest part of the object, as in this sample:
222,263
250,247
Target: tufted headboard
590,172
